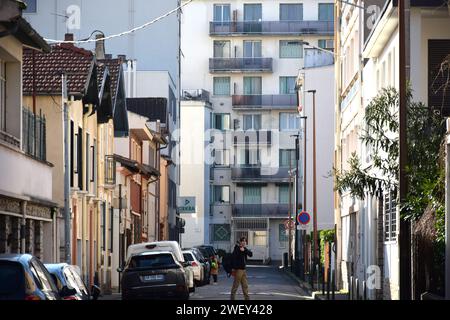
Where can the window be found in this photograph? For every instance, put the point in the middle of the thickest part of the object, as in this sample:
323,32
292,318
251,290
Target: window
252,194
151,261
327,44
31,6
93,161
283,194
80,158
283,233
252,12
222,49
222,13
221,86
287,158
291,12
289,121
252,49
390,217
221,194
87,155
252,121
2,95
222,121
222,157
221,232
291,49
326,11
252,85
287,85
248,157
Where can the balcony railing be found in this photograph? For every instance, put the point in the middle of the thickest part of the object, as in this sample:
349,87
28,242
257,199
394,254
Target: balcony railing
195,95
110,170
259,174
280,210
34,135
271,28
240,65
261,137
274,101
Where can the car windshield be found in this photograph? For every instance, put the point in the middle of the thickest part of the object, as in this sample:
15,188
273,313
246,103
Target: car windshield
11,275
188,257
74,281
150,261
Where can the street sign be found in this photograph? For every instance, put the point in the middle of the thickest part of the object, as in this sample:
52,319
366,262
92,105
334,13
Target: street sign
303,218
289,224
186,205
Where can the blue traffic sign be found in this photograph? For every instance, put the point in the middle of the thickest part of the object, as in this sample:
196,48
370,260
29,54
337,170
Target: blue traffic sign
303,217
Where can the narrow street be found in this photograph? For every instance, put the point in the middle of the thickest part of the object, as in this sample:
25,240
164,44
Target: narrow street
265,283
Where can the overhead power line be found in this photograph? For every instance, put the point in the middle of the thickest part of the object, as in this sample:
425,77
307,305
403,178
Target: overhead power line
145,25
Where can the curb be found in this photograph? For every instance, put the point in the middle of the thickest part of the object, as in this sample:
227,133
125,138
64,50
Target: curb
303,285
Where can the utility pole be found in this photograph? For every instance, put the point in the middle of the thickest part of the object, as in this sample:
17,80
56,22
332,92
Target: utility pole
296,244
303,233
315,235
67,238
405,226
290,211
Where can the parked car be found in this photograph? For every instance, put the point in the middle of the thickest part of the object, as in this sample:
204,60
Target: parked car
207,252
69,283
154,274
24,277
171,246
205,263
197,266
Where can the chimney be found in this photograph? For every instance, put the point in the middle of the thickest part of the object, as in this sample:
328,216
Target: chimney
69,37
108,56
122,57
100,47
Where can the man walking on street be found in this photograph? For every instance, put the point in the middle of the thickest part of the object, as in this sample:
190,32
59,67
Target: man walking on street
239,261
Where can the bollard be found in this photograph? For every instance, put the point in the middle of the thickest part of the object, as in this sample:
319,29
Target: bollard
333,287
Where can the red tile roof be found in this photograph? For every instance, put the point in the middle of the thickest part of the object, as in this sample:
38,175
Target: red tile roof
75,62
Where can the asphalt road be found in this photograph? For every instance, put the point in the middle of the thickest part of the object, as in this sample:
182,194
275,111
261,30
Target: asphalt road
265,283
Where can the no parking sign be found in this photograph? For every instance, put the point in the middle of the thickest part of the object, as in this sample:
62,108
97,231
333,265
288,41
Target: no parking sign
303,218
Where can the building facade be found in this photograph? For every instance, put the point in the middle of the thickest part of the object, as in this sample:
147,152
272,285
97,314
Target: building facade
250,70
28,222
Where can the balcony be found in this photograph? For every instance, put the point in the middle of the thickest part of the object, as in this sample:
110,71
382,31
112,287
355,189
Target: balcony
313,27
259,137
110,170
259,174
270,101
195,95
221,65
277,210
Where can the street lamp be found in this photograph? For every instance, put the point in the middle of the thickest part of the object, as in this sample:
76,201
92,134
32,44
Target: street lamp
315,240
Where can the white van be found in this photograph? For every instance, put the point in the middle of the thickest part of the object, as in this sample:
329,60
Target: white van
171,246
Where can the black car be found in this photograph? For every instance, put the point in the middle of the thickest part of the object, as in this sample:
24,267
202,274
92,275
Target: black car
24,277
154,274
69,282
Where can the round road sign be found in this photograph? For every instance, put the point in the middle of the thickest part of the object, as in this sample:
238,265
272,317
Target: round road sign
303,218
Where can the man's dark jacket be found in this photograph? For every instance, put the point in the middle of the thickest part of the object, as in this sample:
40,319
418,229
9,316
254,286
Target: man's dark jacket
239,259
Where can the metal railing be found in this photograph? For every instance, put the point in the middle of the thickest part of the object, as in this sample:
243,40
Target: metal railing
110,170
195,95
34,134
272,27
262,137
240,64
258,173
264,101
261,210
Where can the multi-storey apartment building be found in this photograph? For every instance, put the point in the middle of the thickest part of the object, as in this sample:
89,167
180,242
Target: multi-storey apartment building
368,47
250,57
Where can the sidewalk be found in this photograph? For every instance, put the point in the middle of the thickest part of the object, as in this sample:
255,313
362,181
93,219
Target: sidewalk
316,295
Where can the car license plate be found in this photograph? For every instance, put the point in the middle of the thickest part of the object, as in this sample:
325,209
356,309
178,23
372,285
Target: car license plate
156,277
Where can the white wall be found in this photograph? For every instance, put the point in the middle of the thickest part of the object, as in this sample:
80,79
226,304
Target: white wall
320,79
194,172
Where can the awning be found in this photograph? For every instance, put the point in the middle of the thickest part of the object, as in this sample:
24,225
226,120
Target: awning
136,167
